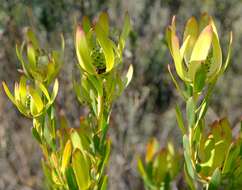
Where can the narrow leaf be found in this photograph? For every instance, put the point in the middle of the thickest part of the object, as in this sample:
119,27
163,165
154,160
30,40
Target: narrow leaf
36,135
179,119
83,51
32,38
31,55
36,99
128,75
202,45
227,62
190,110
191,31
104,183
200,79
66,156
81,170
71,180
125,32
215,180
104,22
54,91
187,156
8,93
86,24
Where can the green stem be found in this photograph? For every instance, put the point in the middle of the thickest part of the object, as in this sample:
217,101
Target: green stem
100,111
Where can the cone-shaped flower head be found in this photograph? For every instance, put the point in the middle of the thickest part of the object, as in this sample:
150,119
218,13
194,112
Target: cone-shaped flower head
37,63
97,53
200,52
31,100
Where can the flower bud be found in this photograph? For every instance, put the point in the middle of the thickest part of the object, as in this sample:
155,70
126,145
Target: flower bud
200,53
96,52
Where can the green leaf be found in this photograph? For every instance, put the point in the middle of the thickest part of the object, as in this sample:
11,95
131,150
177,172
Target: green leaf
161,166
107,154
191,32
202,45
187,155
48,137
141,168
16,92
66,156
20,58
31,55
217,54
52,70
97,83
104,22
230,158
70,177
23,90
209,154
81,93
36,135
215,180
54,91
205,19
36,99
104,183
203,109
83,51
47,172
184,47
44,90
176,52
32,38
190,110
125,32
62,43
227,62
173,43
179,120
8,93
200,79
93,102
127,26
86,24
81,169
188,179
33,109
76,140
176,83
88,86
128,76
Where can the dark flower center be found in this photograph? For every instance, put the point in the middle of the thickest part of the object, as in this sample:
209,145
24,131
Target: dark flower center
98,59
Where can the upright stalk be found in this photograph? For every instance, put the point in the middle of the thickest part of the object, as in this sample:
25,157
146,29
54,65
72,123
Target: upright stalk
198,63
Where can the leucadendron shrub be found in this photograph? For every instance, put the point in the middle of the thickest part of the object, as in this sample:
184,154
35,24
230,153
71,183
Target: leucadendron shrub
160,166
212,155
73,158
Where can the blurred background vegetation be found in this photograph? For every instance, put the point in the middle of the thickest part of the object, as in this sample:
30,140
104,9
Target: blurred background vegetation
147,107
